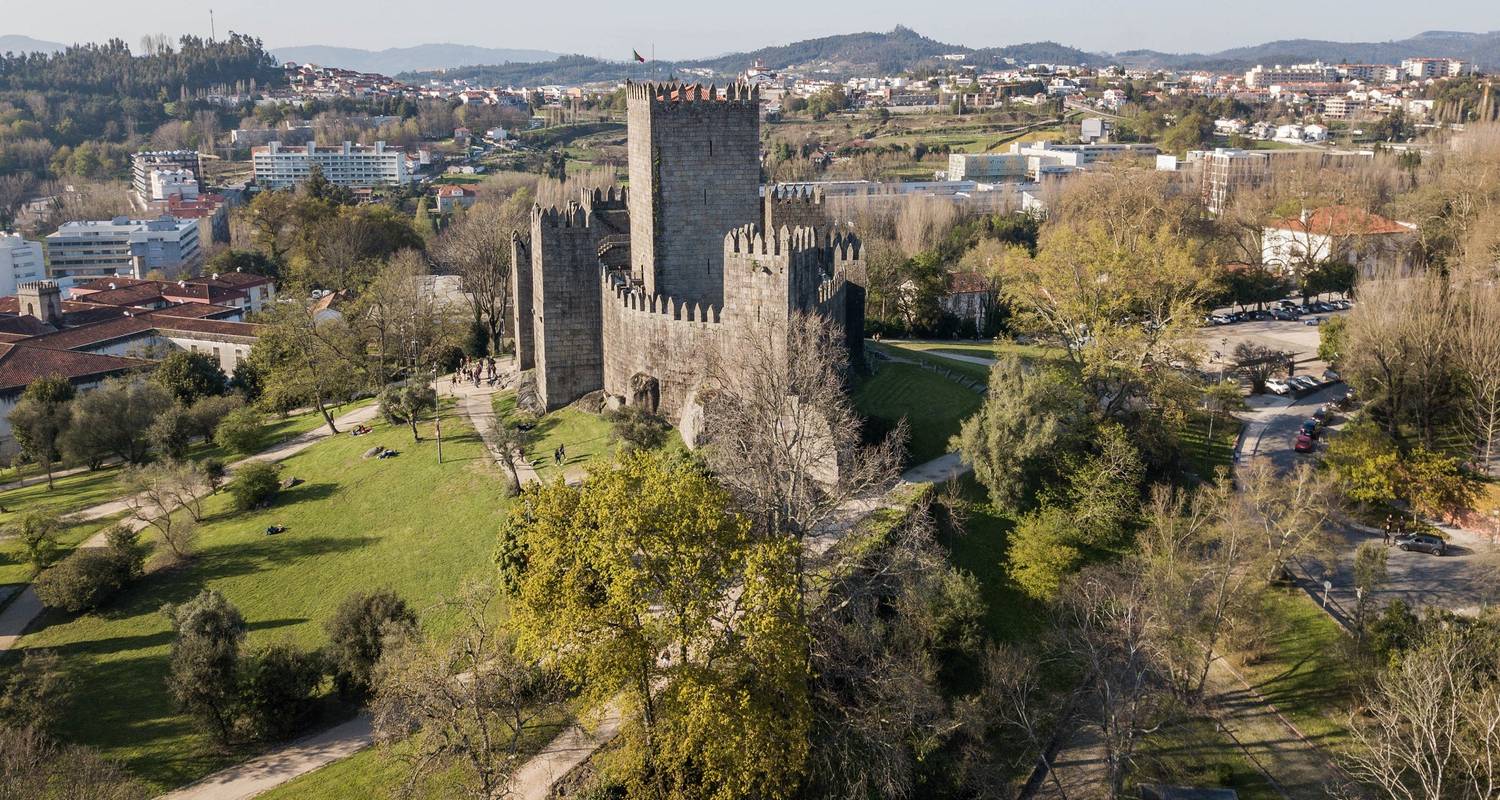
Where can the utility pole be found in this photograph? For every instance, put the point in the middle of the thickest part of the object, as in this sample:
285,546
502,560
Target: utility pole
213,33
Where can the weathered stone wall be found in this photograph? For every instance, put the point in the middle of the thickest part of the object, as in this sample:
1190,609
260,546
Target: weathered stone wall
520,292
793,208
666,340
694,157
566,315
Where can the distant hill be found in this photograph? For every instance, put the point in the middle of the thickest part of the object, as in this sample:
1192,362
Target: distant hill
422,57
1480,48
11,43
842,55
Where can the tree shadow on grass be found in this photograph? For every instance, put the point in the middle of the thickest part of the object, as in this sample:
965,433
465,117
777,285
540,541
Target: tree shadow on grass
286,497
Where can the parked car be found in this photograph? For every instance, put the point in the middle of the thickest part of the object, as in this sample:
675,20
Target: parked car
1310,428
1277,386
1283,314
1329,376
1342,305
1321,414
1422,543
1313,321
1289,304
1322,307
1303,382
1304,444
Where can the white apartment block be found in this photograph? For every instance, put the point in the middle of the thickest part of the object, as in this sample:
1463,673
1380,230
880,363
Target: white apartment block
1226,170
1080,155
1263,77
351,165
1371,73
1418,68
170,182
986,166
124,246
21,261
142,165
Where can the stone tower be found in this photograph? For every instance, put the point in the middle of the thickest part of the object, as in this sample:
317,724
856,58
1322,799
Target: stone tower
694,176
41,300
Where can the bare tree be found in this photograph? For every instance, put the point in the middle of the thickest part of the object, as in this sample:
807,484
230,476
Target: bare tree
154,491
1430,725
477,247
1287,512
465,701
1477,353
782,434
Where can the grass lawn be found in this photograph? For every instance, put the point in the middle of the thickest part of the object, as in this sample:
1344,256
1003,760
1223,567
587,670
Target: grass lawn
1302,670
932,405
408,523
1196,753
1205,454
980,550
585,438
83,489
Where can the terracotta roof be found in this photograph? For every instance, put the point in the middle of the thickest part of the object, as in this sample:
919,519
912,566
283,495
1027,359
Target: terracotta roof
237,280
198,311
968,282
74,313
23,325
93,333
133,295
1341,221
217,327
21,364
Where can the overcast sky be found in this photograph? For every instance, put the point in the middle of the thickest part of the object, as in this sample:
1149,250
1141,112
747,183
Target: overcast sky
681,29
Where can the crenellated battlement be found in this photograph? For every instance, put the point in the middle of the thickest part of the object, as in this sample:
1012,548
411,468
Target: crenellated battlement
631,298
612,199
673,95
752,240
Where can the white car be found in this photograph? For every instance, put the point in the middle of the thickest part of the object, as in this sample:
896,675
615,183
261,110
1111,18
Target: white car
1277,386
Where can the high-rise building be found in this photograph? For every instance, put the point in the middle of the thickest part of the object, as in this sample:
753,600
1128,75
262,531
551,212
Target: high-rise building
21,261
1261,77
124,246
355,166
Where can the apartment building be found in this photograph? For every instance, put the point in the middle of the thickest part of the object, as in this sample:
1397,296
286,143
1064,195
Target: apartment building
1082,155
1418,68
1226,170
142,165
169,183
1263,77
351,165
1371,73
21,261
124,246
986,166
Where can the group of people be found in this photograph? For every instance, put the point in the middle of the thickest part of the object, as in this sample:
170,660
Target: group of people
1392,529
476,370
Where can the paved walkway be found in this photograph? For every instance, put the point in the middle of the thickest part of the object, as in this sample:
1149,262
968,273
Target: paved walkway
1297,767
275,768
24,610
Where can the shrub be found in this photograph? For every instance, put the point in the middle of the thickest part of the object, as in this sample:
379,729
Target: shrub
277,691
203,677
208,412
38,534
86,579
356,633
172,431
255,485
639,428
240,430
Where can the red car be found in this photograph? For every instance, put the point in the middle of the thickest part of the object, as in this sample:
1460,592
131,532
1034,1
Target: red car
1304,444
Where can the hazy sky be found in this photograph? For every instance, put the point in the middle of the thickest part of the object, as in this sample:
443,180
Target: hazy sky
680,29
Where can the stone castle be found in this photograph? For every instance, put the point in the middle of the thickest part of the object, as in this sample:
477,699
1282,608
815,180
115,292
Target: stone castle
634,292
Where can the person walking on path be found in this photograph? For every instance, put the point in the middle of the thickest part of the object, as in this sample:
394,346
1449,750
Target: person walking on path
1387,537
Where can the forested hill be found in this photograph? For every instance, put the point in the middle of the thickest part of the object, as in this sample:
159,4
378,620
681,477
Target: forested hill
895,51
111,68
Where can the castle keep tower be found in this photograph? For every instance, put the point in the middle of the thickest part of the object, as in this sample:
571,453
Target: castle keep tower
694,176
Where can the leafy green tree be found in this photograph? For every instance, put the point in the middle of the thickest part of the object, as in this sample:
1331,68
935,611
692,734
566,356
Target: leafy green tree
38,532
1031,419
638,428
240,431
190,376
408,405
1333,337
232,260
172,431
278,686
1043,551
114,420
606,620
303,361
87,578
1104,490
203,675
35,693
39,420
255,484
356,636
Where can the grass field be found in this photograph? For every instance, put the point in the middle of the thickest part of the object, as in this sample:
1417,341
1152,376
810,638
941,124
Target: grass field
1195,752
1205,455
932,405
13,566
585,438
1302,669
1009,615
408,523
88,488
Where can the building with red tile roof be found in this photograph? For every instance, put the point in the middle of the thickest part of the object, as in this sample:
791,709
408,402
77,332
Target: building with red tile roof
1367,241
